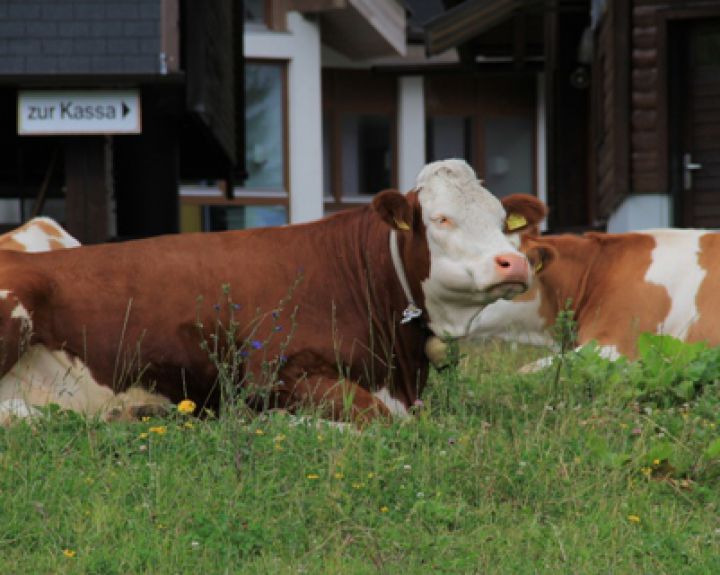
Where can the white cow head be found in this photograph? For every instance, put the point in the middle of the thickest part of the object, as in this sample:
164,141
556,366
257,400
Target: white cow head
454,245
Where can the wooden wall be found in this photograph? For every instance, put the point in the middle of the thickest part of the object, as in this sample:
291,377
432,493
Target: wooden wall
649,166
630,99
610,108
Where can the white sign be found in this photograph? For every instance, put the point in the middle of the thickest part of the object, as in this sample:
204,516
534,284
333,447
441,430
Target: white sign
86,112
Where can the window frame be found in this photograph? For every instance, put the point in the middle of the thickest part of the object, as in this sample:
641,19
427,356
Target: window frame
481,98
216,193
340,89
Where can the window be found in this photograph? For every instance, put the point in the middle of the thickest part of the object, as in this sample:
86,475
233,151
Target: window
490,122
265,126
449,137
359,141
263,199
256,11
366,161
509,155
219,218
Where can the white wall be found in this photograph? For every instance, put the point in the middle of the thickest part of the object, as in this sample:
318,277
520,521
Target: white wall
411,130
640,212
300,47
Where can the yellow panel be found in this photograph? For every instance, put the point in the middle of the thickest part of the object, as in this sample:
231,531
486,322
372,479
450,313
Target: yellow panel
190,218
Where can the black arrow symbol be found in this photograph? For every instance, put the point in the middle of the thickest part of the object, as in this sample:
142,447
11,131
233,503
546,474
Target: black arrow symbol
125,109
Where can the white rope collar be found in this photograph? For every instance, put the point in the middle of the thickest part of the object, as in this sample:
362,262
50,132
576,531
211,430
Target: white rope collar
412,311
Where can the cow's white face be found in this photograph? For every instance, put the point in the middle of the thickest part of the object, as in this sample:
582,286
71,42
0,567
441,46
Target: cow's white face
472,262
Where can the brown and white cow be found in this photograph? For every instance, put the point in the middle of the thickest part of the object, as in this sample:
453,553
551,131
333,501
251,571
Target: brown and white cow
619,285
39,234
138,311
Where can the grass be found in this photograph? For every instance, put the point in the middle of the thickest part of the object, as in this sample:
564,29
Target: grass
496,473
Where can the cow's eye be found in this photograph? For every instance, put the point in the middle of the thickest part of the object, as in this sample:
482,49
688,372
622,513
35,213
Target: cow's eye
443,221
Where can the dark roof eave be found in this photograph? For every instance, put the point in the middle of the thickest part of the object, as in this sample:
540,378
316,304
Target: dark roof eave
469,20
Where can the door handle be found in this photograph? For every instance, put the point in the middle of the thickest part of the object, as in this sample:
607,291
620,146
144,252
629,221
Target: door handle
688,168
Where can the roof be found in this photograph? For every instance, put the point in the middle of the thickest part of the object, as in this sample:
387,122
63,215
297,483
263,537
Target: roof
466,21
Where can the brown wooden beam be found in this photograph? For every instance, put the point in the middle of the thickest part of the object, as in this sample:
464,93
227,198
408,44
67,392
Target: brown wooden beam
87,193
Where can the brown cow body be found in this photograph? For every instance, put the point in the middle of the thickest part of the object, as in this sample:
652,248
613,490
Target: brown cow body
322,300
619,286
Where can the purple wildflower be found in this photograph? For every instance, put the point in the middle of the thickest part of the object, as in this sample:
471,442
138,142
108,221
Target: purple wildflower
276,314
282,359
236,306
244,353
256,344
216,307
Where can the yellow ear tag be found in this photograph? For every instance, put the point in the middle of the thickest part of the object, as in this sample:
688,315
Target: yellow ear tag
401,225
538,266
515,221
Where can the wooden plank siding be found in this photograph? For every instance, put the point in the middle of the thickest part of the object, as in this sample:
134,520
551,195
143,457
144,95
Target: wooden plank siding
648,171
604,129
632,147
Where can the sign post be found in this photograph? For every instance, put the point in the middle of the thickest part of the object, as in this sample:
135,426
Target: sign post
78,112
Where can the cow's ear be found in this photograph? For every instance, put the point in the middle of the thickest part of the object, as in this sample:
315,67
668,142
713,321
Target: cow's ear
540,257
524,213
395,209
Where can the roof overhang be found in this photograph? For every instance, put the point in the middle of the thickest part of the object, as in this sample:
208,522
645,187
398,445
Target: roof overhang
360,28
467,21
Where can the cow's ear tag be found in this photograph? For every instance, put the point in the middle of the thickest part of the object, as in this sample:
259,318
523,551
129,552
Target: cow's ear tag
401,225
538,266
515,221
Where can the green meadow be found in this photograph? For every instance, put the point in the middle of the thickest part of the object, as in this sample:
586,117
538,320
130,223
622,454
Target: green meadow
587,467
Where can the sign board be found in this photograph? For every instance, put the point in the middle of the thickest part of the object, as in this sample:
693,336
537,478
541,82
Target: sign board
78,112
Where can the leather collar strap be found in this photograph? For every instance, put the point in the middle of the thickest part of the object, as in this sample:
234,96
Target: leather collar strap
412,311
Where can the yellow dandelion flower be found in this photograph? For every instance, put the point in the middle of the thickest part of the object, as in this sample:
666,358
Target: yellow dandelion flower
633,518
384,509
646,471
145,418
656,462
259,432
159,429
312,476
186,406
339,475
143,435
69,553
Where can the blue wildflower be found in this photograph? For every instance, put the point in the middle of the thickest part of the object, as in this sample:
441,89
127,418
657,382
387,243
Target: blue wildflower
256,344
244,353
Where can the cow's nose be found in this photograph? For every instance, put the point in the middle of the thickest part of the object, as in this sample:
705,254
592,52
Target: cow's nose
512,268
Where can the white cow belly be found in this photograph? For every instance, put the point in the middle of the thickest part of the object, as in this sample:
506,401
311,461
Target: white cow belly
42,376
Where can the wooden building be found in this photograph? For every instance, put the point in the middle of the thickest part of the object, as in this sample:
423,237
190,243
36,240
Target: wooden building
656,90
182,61
631,101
